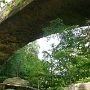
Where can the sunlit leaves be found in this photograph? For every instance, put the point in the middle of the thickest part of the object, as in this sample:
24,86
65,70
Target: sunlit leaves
70,59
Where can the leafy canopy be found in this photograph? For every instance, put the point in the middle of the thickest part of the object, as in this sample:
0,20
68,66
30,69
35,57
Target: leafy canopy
57,26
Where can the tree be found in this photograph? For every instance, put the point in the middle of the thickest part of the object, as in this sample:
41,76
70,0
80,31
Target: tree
57,26
26,64
70,57
62,65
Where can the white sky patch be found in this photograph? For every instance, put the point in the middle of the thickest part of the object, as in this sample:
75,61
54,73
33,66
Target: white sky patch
45,45
8,0
2,4
87,44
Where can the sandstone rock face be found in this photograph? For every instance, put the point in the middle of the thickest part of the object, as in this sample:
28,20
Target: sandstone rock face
26,25
79,86
16,81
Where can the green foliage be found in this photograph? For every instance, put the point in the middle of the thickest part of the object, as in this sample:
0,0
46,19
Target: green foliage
19,2
86,79
4,2
70,59
25,64
63,64
57,26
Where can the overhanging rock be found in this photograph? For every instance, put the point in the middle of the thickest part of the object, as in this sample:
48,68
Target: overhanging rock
26,25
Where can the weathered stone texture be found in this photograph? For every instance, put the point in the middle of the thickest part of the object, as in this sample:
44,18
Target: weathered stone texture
26,25
79,86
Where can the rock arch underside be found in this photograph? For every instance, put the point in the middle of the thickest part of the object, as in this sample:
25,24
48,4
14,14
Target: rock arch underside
26,25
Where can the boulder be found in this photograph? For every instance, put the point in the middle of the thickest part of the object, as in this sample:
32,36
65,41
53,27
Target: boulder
16,81
79,86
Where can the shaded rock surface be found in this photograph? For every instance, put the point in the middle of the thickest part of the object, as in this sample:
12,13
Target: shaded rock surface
27,24
79,86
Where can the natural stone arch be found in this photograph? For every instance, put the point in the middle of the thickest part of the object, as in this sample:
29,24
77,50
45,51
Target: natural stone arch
26,25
